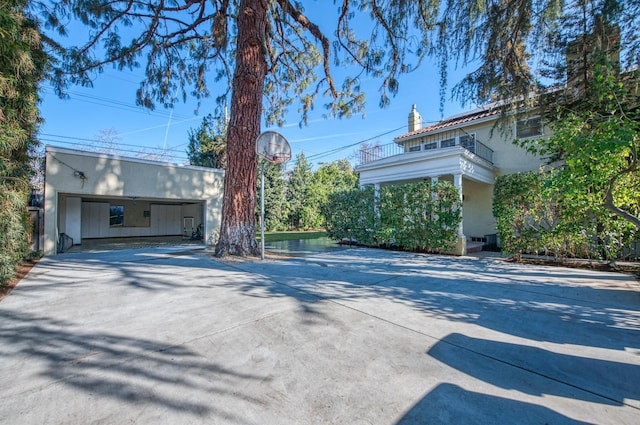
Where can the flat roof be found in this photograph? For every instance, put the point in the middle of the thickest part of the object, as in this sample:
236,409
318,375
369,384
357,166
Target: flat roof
57,149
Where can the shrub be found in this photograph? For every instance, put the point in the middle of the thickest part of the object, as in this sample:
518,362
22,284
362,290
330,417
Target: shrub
534,216
418,217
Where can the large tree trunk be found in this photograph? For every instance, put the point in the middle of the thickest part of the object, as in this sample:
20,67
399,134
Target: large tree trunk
237,232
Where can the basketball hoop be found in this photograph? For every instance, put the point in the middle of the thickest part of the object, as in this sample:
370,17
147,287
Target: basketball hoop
273,147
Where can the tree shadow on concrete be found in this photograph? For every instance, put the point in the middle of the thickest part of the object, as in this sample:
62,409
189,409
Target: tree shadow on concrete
449,404
143,269
540,372
538,303
134,371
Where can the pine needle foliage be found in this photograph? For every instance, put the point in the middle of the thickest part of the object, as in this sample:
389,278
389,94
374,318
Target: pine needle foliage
275,56
22,64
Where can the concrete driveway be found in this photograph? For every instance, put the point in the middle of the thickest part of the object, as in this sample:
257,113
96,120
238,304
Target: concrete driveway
358,336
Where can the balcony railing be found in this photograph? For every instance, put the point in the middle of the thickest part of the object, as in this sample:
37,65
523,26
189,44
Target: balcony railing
468,141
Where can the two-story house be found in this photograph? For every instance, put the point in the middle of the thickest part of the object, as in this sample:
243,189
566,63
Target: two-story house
468,150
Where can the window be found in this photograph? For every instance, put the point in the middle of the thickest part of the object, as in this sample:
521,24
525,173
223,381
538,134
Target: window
448,143
414,148
531,127
468,141
116,215
432,145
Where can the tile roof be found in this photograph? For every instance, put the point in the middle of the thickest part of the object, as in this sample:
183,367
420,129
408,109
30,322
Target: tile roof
454,120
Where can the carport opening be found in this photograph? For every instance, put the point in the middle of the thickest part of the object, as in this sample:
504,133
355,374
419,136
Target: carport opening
89,223
103,244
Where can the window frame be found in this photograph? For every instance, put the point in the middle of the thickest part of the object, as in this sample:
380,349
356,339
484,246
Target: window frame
118,214
539,132
469,142
447,143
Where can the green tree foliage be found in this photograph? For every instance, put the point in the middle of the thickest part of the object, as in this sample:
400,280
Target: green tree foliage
519,48
351,215
421,216
297,201
535,215
527,214
418,217
207,144
275,56
597,149
276,207
298,193
593,150
270,53
22,64
333,177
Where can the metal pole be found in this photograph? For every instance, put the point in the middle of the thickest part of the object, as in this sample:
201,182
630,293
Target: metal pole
262,212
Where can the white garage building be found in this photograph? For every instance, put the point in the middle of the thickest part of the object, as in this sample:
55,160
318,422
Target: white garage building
90,195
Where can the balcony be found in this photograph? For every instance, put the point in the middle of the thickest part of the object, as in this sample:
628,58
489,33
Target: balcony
439,141
444,154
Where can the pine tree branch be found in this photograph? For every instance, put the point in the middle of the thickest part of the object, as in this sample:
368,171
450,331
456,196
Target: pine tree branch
315,31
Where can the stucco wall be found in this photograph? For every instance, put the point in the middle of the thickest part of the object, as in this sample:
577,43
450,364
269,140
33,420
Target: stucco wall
508,157
85,174
478,175
478,209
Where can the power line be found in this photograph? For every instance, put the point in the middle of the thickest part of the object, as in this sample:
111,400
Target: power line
116,104
120,148
99,141
159,150
320,155
336,150
154,151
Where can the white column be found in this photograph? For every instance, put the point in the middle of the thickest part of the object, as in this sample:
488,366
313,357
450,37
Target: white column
376,199
457,182
434,180
73,219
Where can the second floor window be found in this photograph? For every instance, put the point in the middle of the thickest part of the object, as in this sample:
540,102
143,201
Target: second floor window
448,143
468,141
530,127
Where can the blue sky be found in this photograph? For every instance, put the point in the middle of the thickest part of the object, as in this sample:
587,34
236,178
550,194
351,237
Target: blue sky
77,121
110,104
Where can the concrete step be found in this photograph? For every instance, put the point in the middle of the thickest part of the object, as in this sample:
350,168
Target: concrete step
474,247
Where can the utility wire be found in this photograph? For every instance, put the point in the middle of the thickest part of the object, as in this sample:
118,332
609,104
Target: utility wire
336,150
139,149
142,151
116,104
82,139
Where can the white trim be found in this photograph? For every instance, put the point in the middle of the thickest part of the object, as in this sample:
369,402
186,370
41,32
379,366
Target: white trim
419,165
56,149
536,136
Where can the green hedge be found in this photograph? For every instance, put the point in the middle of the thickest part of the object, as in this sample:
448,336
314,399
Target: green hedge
535,217
417,217
14,230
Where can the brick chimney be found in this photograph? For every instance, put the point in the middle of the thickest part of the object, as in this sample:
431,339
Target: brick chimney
415,120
